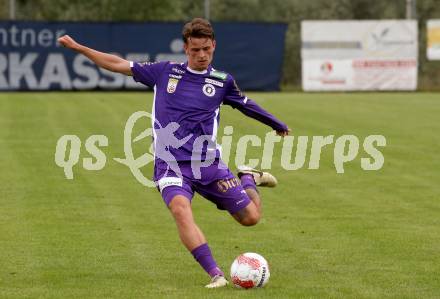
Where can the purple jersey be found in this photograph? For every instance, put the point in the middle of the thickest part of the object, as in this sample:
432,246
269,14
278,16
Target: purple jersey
192,100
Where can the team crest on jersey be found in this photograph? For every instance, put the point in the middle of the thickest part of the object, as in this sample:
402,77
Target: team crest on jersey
209,90
172,85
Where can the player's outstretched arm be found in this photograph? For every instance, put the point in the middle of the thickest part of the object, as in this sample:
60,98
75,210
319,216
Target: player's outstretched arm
107,61
235,98
255,111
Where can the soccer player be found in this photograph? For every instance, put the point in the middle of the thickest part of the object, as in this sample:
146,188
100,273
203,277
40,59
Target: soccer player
187,100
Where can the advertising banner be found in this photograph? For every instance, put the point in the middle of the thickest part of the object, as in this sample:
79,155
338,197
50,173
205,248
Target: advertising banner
31,59
359,55
433,49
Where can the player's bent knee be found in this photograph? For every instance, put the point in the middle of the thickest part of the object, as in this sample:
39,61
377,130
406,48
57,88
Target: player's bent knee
248,216
250,220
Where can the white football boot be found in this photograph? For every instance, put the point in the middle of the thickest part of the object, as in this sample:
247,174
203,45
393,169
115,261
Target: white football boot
262,178
217,281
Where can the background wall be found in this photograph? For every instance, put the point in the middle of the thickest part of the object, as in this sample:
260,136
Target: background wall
289,11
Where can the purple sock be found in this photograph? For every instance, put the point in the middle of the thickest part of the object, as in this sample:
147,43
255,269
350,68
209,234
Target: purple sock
203,255
247,181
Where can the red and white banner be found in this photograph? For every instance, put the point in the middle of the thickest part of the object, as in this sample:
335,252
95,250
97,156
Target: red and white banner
359,55
433,39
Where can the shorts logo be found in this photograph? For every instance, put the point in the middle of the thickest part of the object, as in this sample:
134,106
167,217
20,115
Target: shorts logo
209,90
172,85
226,184
239,202
169,181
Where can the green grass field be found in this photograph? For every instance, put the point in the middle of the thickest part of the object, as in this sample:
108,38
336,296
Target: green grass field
361,234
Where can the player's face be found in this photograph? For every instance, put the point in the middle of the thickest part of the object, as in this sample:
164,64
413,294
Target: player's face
200,52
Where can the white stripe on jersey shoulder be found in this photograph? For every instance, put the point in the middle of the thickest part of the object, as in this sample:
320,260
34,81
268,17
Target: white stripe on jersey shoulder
153,121
215,125
196,72
245,100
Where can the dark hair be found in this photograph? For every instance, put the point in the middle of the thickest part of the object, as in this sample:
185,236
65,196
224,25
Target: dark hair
198,27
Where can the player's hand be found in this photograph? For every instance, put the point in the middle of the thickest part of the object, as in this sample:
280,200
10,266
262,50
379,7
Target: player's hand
68,42
283,133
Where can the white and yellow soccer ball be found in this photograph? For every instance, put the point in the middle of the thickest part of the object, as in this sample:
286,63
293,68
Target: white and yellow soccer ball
250,270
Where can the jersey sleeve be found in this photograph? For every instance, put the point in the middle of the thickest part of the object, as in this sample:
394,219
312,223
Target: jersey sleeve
236,99
147,72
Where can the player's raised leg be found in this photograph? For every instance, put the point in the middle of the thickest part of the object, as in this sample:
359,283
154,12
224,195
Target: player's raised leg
194,240
250,179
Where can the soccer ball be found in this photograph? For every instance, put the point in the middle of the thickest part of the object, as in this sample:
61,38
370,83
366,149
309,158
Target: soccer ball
249,270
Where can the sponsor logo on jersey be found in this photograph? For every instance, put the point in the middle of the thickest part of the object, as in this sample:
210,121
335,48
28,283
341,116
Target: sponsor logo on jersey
169,181
219,75
177,70
172,85
214,82
147,63
209,90
175,76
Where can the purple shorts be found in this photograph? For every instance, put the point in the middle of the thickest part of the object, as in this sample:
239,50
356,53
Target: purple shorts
217,184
